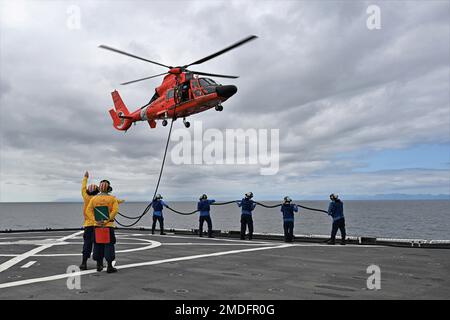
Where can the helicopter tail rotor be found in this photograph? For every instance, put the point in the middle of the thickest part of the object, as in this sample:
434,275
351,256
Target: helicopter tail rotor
120,107
120,114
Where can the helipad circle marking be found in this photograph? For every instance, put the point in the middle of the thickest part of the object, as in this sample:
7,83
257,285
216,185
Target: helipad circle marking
134,265
153,244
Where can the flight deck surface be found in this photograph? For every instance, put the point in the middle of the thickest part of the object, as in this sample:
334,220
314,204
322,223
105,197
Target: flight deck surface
34,265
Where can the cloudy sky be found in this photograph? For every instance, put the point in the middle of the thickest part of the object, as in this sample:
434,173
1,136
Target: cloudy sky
360,111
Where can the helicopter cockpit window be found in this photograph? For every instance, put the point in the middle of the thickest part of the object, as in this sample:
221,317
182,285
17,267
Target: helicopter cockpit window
196,88
169,94
207,85
204,83
211,81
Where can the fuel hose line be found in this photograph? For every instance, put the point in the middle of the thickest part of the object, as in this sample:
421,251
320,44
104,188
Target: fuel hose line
280,204
138,218
186,213
235,201
195,211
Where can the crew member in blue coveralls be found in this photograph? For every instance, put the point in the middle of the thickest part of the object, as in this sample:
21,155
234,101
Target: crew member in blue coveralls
247,205
158,205
204,206
288,210
336,211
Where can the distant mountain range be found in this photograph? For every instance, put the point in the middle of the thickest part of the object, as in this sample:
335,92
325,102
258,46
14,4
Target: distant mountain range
400,196
387,196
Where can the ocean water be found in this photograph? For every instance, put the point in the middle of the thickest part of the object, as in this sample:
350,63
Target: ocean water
423,219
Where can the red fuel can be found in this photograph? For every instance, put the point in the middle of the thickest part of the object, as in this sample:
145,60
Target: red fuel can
102,235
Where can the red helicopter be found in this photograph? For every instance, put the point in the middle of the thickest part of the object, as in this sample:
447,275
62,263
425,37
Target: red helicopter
181,94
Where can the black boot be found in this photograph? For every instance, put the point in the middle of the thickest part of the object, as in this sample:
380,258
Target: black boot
331,242
99,266
110,268
343,243
83,265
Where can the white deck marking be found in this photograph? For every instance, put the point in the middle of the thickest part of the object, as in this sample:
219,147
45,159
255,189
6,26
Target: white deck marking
117,244
135,265
274,244
217,244
157,244
8,264
214,239
35,242
28,264
35,237
37,232
148,244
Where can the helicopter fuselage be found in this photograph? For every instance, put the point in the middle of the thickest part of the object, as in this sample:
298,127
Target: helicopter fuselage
179,96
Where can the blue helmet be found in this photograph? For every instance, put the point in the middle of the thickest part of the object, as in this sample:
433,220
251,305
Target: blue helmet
334,196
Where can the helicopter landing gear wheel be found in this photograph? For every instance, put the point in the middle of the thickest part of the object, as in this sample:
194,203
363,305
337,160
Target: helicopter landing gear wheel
219,107
187,124
164,122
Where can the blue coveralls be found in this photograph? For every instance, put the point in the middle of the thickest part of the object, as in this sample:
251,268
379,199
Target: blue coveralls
336,211
247,206
288,220
158,215
204,207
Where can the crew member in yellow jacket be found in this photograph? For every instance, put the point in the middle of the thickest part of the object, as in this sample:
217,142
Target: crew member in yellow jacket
102,200
87,192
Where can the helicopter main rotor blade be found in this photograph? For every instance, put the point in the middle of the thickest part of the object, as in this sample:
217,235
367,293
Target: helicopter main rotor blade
213,74
132,55
218,53
142,79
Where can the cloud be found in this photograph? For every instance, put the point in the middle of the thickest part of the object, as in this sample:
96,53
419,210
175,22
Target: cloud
329,84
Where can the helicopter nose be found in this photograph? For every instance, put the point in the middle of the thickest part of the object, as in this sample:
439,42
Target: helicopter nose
226,91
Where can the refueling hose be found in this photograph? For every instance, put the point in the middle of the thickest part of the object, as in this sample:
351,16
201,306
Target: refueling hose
187,213
280,204
195,211
138,218
235,201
